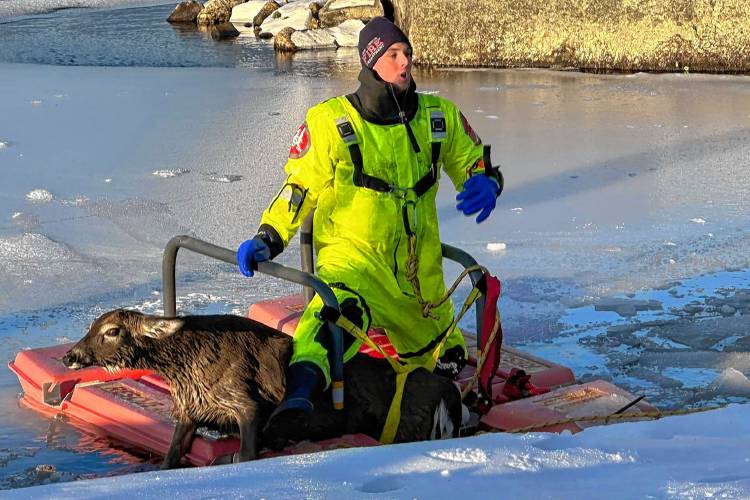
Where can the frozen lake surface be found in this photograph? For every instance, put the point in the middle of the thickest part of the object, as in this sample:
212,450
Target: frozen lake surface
621,238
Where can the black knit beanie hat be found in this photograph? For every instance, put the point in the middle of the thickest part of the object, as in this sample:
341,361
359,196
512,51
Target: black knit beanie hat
376,37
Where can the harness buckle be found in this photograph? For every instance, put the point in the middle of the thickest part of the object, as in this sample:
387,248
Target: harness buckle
399,192
346,131
438,126
409,212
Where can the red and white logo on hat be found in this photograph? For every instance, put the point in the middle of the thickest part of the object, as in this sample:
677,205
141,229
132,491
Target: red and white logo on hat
300,143
372,49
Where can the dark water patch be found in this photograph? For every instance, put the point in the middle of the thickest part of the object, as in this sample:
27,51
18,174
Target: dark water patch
39,449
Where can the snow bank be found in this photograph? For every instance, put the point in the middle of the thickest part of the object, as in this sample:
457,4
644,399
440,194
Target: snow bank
704,454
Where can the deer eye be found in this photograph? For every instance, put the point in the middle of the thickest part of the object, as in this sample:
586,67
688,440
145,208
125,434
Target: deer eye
112,332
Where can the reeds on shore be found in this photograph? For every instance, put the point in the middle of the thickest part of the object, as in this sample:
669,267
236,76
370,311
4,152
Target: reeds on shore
596,35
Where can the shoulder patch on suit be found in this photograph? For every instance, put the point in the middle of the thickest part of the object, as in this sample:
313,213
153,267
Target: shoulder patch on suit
470,131
476,168
300,143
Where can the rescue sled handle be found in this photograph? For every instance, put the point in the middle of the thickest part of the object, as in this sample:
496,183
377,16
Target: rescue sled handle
308,280
449,252
230,257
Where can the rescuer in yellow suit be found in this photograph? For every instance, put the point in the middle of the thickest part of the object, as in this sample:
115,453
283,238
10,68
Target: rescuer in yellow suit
369,163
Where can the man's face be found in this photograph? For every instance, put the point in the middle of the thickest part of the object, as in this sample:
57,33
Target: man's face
395,65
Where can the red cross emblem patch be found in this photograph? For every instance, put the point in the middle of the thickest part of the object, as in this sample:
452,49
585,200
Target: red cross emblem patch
300,143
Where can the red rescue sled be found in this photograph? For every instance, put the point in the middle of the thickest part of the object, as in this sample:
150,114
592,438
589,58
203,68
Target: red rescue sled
134,407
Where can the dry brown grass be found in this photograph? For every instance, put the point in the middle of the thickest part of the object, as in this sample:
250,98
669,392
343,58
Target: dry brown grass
619,35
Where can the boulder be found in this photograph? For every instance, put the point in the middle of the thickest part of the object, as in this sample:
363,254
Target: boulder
313,39
346,34
246,12
295,15
222,31
216,12
315,9
313,22
335,12
267,9
283,40
185,12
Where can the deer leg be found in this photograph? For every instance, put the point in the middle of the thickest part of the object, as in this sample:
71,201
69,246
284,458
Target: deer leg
182,438
248,439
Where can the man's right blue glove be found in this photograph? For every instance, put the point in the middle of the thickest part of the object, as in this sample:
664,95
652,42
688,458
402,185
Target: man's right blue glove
250,253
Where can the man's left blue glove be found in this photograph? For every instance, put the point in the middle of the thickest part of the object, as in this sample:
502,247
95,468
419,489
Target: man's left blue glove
250,253
479,195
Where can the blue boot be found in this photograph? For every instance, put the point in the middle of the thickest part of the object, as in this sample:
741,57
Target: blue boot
289,422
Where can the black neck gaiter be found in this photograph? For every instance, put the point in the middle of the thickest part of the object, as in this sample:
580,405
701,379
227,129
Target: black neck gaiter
380,103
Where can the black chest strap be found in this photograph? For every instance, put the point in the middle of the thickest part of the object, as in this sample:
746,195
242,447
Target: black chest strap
363,180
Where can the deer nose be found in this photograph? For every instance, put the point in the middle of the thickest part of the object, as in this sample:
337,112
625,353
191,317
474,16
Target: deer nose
75,359
68,359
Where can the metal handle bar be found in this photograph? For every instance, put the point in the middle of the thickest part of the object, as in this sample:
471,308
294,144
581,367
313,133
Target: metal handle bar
169,261
466,260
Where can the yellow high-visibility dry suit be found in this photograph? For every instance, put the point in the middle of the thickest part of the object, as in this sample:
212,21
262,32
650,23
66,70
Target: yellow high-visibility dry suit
365,208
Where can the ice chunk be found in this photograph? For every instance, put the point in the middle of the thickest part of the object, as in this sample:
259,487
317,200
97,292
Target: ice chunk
731,382
496,247
25,221
698,220
39,196
170,172
214,177
78,201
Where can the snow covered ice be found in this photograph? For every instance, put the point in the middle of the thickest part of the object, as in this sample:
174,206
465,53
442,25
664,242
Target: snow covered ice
704,455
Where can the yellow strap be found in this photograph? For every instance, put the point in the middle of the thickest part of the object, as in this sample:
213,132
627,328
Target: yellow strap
350,327
402,371
394,412
472,297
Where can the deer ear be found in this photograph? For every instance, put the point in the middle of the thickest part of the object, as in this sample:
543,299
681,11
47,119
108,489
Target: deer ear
159,328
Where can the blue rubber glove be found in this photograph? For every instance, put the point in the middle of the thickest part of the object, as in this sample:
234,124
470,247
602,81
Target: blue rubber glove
479,195
250,253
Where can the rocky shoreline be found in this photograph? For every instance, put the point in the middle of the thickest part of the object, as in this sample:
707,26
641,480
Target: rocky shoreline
293,25
587,35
